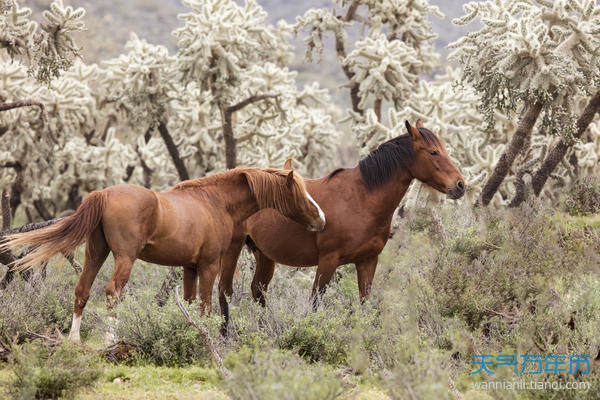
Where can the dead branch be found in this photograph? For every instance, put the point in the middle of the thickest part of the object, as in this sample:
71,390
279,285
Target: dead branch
512,318
26,103
118,352
250,100
168,284
76,266
439,226
30,227
54,338
205,334
227,125
173,152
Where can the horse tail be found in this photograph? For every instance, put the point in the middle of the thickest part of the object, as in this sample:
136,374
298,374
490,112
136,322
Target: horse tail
63,236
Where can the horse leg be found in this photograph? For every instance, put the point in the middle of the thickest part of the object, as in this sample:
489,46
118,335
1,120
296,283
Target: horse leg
265,267
328,263
228,266
119,278
207,275
190,278
96,251
365,271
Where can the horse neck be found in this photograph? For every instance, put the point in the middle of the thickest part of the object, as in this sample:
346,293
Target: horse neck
235,195
386,198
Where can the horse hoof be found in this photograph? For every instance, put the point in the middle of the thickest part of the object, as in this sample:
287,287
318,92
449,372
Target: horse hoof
74,337
224,330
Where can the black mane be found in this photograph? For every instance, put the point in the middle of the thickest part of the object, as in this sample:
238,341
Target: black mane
381,164
334,173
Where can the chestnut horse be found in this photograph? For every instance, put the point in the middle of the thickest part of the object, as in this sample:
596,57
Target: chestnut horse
190,225
359,203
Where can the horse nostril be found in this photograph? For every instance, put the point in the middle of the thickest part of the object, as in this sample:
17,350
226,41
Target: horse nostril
460,185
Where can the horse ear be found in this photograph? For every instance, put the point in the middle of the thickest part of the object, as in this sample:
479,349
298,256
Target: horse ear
288,164
413,132
290,179
419,124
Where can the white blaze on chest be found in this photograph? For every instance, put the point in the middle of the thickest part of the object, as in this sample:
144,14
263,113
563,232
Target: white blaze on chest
321,213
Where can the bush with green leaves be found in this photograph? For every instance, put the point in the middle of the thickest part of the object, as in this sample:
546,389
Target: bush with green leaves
584,197
161,335
275,374
45,372
521,281
39,305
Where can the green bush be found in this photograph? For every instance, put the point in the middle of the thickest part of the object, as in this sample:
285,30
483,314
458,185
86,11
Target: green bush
43,372
40,304
519,281
584,197
278,375
162,335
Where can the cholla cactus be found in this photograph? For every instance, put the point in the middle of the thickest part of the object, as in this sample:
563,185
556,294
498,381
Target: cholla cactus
383,69
47,48
50,164
453,113
142,82
148,101
544,52
537,55
238,63
220,39
383,66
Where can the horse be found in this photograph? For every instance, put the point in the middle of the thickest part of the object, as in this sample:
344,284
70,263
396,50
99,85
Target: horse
190,225
359,203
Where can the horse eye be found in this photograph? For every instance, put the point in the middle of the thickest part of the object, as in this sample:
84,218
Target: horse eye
433,152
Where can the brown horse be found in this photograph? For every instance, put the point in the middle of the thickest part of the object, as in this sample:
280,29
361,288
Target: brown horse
359,203
190,225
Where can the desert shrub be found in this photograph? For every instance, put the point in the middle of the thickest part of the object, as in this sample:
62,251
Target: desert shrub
40,304
45,372
315,337
475,278
584,197
278,375
162,335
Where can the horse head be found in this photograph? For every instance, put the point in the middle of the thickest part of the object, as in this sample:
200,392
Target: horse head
432,165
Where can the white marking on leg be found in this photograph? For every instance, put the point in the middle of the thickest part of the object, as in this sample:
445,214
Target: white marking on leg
111,337
75,325
321,213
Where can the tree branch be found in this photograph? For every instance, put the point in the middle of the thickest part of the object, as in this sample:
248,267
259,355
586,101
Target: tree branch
40,207
249,100
560,149
341,52
227,125
6,213
12,164
205,334
377,109
168,284
351,11
173,152
25,103
519,139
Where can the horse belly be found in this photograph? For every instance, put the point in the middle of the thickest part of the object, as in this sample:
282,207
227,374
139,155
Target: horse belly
190,241
282,240
171,252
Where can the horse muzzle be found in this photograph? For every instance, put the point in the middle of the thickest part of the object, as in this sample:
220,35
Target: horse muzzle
457,191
